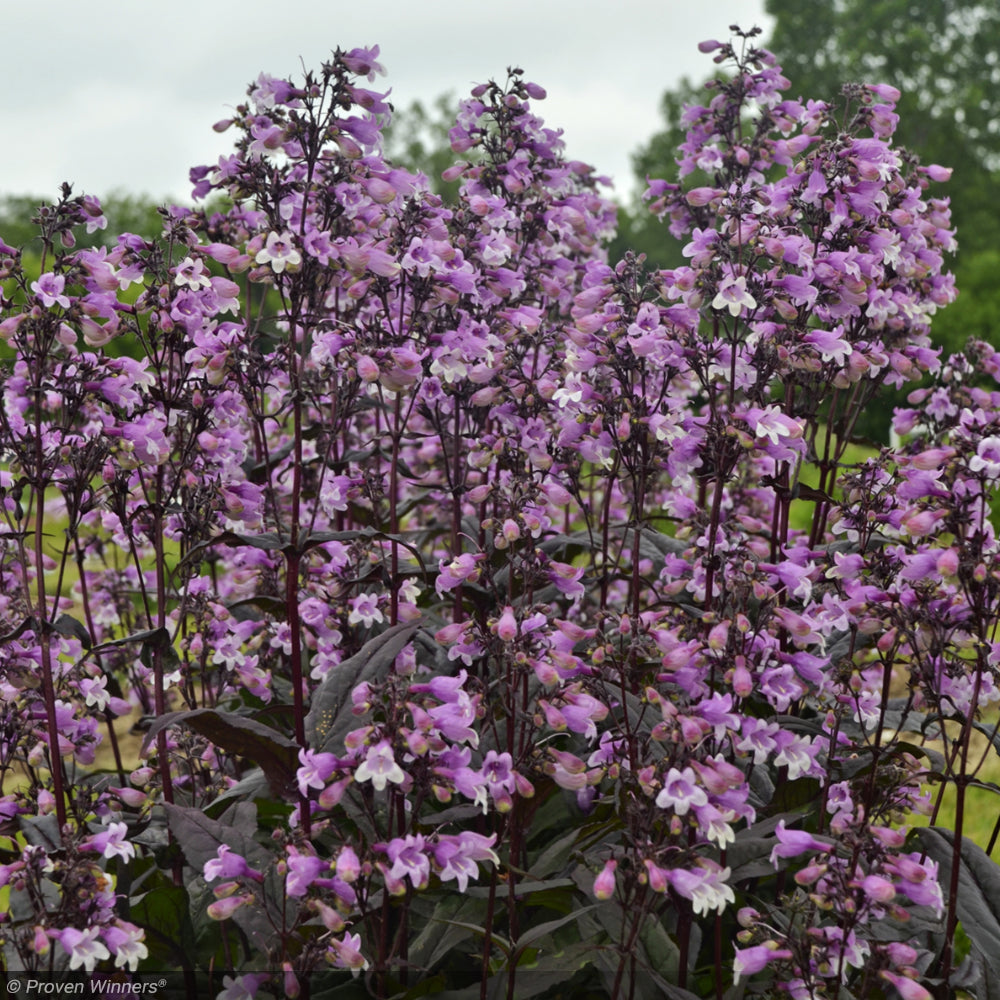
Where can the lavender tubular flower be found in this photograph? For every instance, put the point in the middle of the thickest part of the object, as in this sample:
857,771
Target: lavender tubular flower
462,573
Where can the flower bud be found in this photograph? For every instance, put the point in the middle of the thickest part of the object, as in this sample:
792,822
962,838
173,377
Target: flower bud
40,945
507,625
290,982
222,909
604,884
658,881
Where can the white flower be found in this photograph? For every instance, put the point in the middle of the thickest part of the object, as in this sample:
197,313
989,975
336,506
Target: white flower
192,273
571,392
279,251
364,608
242,987
380,767
705,886
733,295
680,791
126,941
987,457
96,690
771,423
84,950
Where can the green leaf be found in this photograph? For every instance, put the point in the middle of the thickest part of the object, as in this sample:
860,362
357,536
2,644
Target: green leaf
556,856
254,785
200,837
571,970
547,972
267,541
445,928
42,831
152,637
978,902
275,753
662,954
330,718
501,942
551,887
311,540
258,472
29,623
799,795
254,608
656,546
750,857
991,732
539,931
163,913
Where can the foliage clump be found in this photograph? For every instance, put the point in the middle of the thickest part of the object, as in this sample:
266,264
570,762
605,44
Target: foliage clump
496,612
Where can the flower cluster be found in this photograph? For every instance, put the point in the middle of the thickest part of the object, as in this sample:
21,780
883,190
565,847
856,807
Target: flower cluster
436,551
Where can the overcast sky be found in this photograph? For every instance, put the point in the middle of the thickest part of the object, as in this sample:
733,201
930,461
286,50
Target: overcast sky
112,97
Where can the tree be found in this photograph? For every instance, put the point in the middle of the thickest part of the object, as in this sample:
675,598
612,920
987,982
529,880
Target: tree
123,212
638,230
418,139
944,57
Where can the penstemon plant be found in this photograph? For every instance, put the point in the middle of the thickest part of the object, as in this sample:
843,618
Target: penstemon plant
500,619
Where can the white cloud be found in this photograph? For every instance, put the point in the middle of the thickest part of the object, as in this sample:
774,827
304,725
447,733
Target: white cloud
114,101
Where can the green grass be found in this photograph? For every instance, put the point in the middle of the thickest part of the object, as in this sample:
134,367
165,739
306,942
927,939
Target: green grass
982,804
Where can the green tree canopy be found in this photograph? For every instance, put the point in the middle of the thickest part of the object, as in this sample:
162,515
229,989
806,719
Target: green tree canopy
418,139
945,59
125,213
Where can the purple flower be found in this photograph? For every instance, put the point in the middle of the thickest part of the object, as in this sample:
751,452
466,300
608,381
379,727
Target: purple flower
348,867
365,610
316,770
462,568
680,792
705,886
734,296
582,712
242,987
506,627
498,772
303,870
409,859
456,856
95,692
455,719
228,865
917,879
346,953
84,948
748,961
794,752
380,767
279,251
908,989
792,843
112,842
769,422
192,274
126,943
604,884
987,457
49,288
